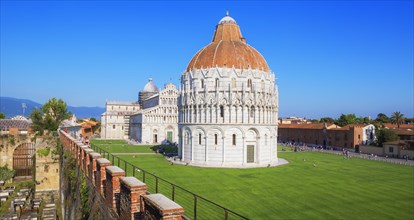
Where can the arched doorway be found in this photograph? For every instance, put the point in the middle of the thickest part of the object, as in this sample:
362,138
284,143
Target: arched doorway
23,157
251,144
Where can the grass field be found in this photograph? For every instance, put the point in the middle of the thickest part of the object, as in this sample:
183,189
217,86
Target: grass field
120,146
312,186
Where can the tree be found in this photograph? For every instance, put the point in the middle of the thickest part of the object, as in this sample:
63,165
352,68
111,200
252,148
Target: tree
37,120
315,121
397,118
385,135
346,119
364,120
383,118
2,116
327,120
50,115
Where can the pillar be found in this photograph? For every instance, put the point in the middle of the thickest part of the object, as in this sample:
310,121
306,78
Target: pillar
85,162
100,175
131,191
113,186
159,206
92,165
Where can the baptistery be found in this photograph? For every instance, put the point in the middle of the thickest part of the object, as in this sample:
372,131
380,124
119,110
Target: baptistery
228,104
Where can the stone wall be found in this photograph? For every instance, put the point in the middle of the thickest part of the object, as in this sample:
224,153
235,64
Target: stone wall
111,195
8,143
47,166
371,150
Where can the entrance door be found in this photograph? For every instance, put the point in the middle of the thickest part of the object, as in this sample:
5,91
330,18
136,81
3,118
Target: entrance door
250,153
23,159
169,136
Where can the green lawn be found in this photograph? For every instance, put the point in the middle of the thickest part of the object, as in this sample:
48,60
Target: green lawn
120,146
311,186
285,148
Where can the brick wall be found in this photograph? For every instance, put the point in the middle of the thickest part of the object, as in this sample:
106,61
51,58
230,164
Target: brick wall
123,195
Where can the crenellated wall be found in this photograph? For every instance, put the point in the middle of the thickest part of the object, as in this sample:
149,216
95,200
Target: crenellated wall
126,196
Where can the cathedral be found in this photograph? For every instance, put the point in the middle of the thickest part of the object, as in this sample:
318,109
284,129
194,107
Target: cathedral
225,113
151,120
228,104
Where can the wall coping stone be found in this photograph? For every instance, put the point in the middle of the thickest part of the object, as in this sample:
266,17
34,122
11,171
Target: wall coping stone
84,146
132,182
95,155
103,161
88,150
162,202
114,170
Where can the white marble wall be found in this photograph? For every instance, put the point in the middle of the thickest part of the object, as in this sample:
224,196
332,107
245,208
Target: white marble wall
228,101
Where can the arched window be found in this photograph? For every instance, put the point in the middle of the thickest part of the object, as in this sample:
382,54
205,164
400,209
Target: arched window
249,83
217,82
202,84
234,139
263,85
221,111
252,112
199,138
215,139
233,83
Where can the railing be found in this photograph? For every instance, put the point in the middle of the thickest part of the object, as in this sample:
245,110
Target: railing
196,207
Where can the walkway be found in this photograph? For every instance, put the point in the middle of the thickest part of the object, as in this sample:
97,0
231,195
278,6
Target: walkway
362,156
133,153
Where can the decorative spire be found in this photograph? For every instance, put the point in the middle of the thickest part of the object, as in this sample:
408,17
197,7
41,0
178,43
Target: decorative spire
227,12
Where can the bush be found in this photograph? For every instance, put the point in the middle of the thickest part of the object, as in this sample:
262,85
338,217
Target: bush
43,152
5,173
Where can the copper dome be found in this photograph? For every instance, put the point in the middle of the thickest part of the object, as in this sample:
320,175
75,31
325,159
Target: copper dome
228,49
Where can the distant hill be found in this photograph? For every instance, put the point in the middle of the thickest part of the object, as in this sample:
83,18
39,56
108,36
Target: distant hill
12,107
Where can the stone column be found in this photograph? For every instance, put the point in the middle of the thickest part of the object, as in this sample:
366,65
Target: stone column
183,143
157,206
192,147
224,153
92,165
100,177
257,151
244,152
243,113
131,191
113,186
206,148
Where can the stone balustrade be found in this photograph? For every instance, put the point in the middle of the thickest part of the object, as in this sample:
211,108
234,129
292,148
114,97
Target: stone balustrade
126,195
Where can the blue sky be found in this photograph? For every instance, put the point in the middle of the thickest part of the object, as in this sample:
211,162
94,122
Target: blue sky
329,57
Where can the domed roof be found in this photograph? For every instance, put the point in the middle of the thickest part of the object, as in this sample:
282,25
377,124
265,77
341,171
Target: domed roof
150,87
228,49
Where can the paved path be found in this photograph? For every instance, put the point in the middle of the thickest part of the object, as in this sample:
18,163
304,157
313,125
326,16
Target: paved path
133,153
363,156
